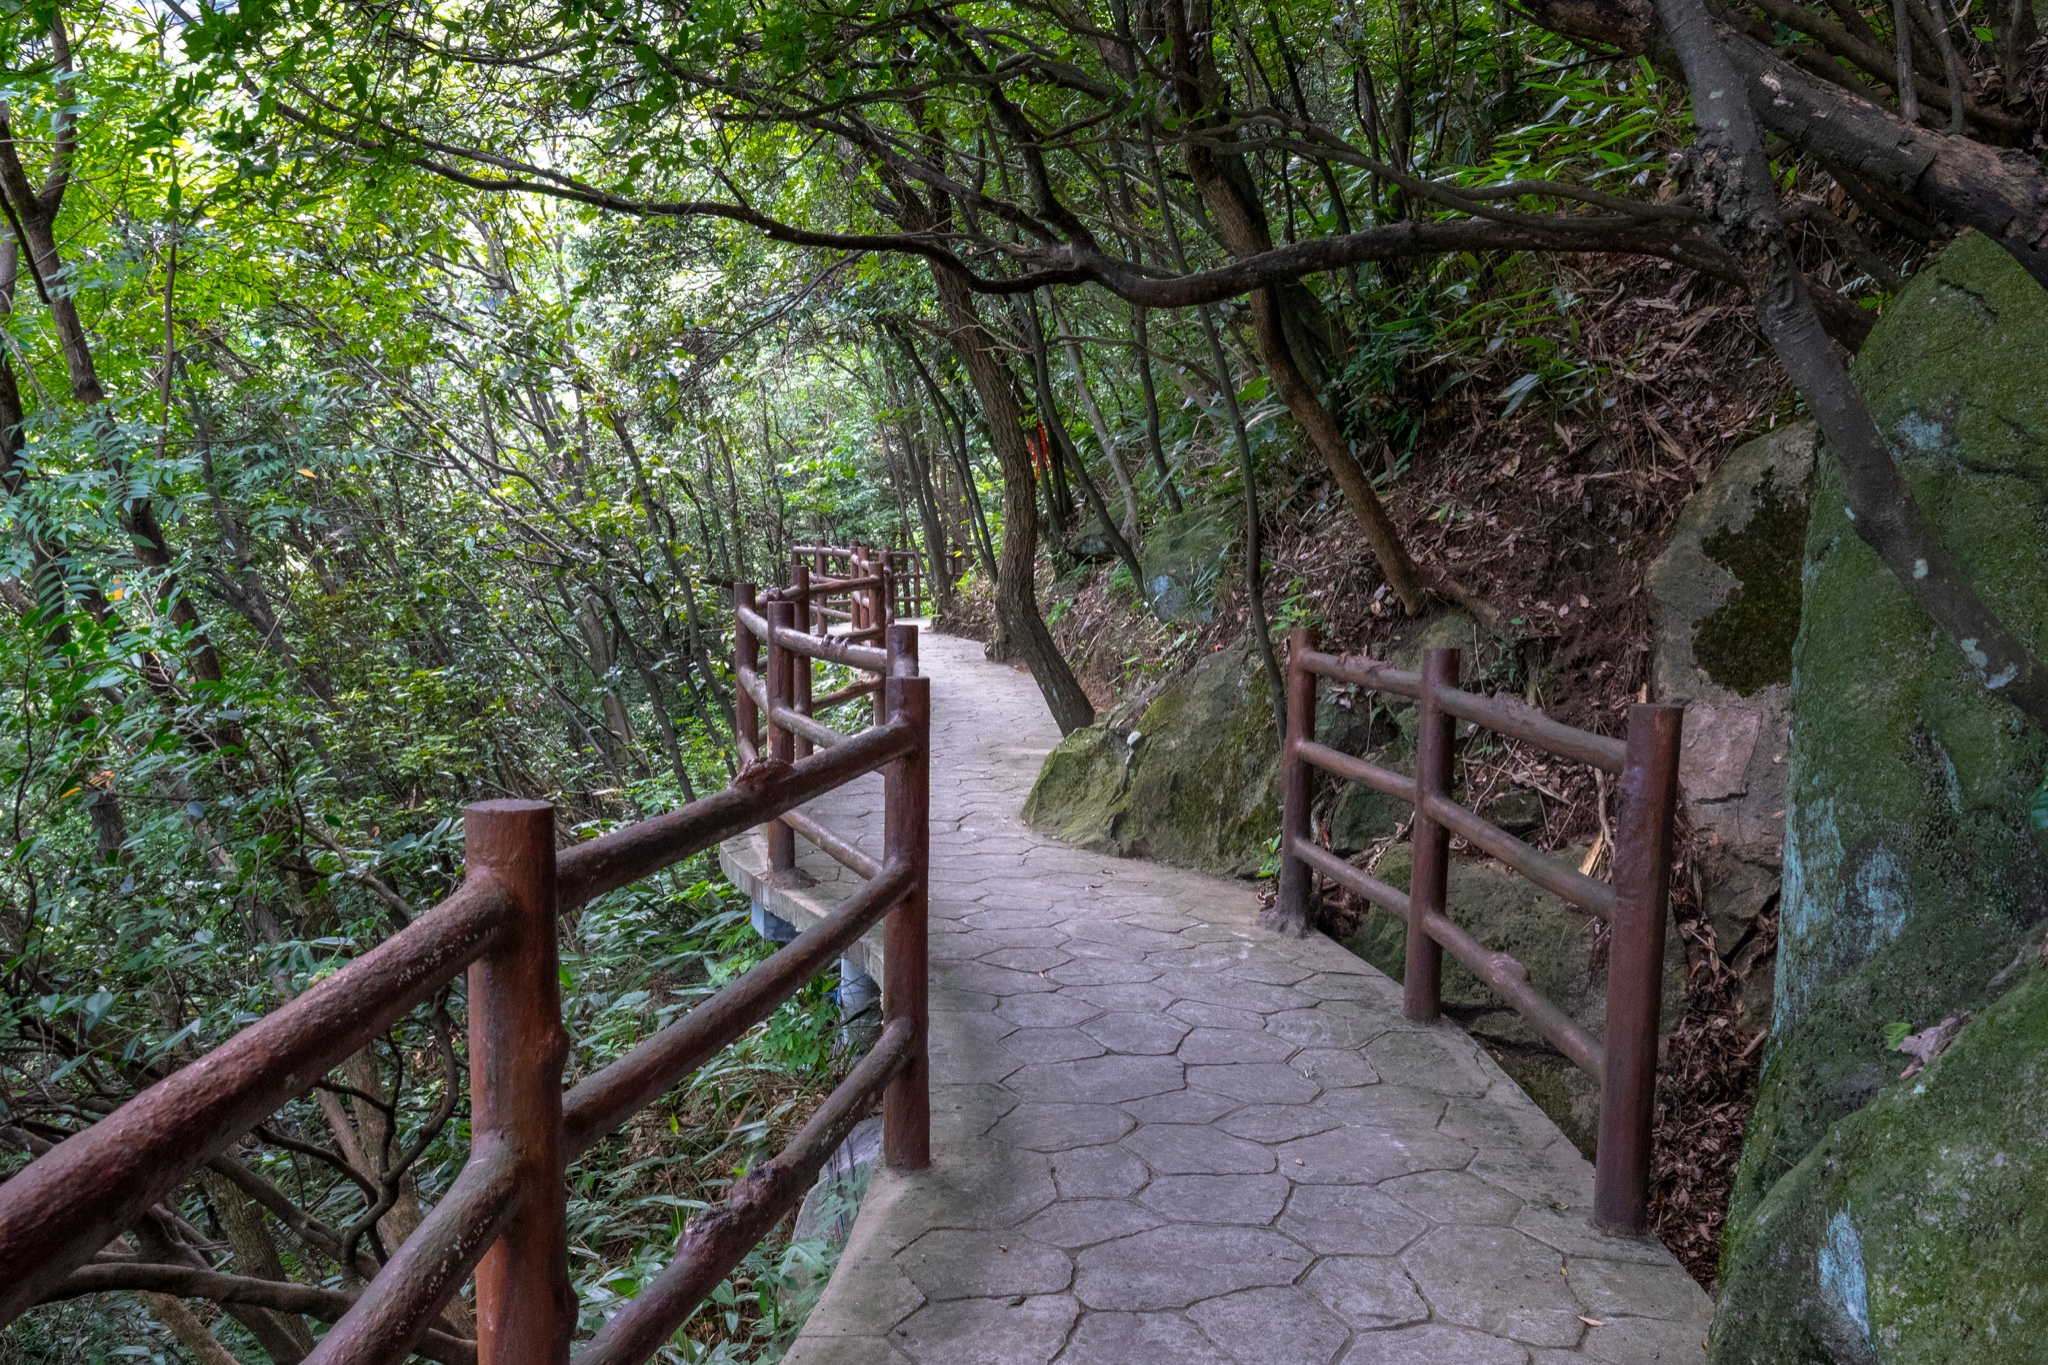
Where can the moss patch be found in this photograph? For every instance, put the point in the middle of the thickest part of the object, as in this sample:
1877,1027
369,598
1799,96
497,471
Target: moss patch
1912,882
1912,1233
1747,644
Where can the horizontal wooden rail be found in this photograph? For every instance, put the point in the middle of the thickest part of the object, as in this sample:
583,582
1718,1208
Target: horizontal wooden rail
847,693
408,1294
603,1100
1635,904
87,1190
623,857
826,647
1357,770
1571,886
1505,715
840,850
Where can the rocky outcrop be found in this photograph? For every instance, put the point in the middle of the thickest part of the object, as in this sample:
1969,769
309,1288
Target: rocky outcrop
1191,778
1874,1218
1186,560
1726,595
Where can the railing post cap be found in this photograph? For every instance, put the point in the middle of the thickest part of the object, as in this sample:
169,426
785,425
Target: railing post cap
507,805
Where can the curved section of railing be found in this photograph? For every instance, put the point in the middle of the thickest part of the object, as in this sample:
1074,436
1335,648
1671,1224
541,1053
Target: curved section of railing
1634,905
504,1217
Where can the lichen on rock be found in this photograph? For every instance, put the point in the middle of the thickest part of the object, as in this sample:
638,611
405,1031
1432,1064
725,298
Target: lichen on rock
1914,886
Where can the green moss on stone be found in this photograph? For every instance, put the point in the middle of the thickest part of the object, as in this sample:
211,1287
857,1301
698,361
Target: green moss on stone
1912,880
1913,1232
1194,780
1747,644
1081,794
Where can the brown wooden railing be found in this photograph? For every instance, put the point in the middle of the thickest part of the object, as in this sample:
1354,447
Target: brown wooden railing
503,1217
1634,905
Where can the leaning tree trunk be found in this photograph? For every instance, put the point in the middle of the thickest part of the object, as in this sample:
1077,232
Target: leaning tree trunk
1223,182
1017,573
1732,178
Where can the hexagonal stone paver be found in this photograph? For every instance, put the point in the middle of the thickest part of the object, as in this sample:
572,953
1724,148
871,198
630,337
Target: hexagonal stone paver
1075,1223
1614,1289
1026,959
1104,1080
1433,1345
1135,1032
1278,1122
1226,1046
1369,1292
1179,1106
1126,1338
1197,1149
1323,1026
1057,1127
1254,1200
1172,1267
1111,1172
1004,1331
1271,1327
1047,1011
1051,1045
1102,971
1453,1197
1638,1341
1499,1281
1334,1066
952,1264
1345,1155
1255,1082
1349,1220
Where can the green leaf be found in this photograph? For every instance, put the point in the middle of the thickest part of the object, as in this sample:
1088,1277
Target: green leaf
1896,1033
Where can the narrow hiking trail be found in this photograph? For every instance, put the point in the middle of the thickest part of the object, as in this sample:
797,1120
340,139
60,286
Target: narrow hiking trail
1162,1133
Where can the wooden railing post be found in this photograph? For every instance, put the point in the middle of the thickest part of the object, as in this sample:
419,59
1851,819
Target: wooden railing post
525,1309
1423,976
1635,966
1292,912
746,654
906,824
800,666
781,691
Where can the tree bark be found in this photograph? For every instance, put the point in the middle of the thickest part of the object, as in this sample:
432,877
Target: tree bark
1241,224
1017,573
1732,175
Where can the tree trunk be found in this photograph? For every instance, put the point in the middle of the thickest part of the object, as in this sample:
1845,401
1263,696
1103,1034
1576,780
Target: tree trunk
1016,577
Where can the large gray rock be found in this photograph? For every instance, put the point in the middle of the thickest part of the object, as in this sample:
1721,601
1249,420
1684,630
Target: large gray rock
1191,778
1725,596
1187,562
1874,1219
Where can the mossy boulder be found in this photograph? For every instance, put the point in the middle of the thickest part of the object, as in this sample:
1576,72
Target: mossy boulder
1186,560
1082,791
1192,778
1914,886
1726,595
1912,1233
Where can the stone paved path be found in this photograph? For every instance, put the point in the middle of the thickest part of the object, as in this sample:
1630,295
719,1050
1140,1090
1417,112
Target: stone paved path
1164,1134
